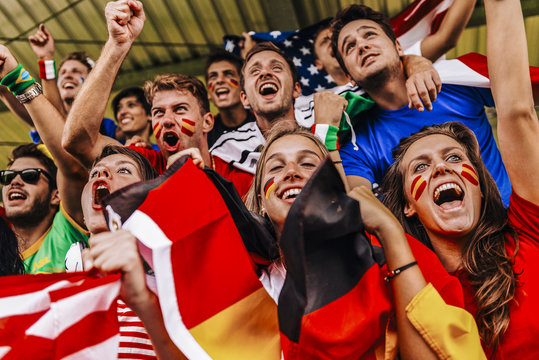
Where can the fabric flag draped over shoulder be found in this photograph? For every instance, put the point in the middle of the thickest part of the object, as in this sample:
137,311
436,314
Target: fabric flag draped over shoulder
197,239
55,316
334,303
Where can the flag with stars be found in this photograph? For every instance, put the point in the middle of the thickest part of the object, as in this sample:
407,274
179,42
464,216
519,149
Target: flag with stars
298,45
420,19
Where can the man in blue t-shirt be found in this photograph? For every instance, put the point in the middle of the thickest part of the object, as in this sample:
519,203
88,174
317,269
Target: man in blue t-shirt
366,48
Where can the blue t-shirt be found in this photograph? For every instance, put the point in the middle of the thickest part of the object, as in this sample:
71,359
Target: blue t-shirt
379,131
107,128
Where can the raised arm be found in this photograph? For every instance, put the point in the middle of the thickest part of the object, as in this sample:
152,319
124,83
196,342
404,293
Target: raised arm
518,127
72,176
125,19
447,35
42,44
14,105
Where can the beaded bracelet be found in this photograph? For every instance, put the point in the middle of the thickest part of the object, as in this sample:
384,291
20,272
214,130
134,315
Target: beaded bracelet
327,134
391,274
47,69
18,80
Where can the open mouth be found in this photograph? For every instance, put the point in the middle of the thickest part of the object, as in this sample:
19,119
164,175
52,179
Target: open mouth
221,91
268,89
290,193
447,193
367,59
16,195
171,139
100,192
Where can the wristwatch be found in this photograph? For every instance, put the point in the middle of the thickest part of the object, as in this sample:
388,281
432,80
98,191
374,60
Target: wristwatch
30,94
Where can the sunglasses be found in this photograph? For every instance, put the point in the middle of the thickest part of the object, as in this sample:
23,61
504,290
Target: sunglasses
30,176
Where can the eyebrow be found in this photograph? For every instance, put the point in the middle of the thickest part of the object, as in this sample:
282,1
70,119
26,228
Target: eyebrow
443,151
301,153
362,27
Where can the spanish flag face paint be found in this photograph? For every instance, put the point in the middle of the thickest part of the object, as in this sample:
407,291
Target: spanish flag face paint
188,127
234,83
157,130
268,188
418,186
469,174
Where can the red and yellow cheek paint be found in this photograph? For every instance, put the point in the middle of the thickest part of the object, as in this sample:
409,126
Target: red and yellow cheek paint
234,83
469,174
418,186
188,127
211,86
157,130
268,188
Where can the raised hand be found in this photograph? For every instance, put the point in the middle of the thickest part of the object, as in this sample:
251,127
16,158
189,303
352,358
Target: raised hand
125,20
328,108
42,43
7,61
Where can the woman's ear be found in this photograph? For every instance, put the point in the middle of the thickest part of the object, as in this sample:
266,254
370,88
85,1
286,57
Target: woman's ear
409,210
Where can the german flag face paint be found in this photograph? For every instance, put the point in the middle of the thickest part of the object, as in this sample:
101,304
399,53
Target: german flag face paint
418,186
211,86
157,130
188,127
234,83
469,174
268,188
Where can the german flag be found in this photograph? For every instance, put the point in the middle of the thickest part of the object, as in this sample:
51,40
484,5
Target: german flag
188,127
191,229
334,303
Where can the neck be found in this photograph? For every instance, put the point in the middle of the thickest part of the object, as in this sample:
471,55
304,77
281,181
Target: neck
67,104
449,251
387,89
28,234
338,76
266,123
143,133
233,116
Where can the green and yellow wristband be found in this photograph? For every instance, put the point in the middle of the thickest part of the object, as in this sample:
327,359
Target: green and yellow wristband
18,80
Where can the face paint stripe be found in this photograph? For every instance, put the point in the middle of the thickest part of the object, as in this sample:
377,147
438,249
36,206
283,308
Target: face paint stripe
188,127
234,83
157,130
211,86
418,186
469,174
268,188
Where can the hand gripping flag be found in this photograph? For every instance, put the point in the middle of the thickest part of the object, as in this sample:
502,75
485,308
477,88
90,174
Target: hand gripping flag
197,238
59,316
334,303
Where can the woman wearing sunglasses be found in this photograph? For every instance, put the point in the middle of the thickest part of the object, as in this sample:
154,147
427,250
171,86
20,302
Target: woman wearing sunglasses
442,193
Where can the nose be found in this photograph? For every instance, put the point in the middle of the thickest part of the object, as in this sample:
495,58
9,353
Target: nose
292,171
441,168
103,172
168,122
363,47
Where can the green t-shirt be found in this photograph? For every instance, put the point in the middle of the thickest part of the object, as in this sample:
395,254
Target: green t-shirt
48,253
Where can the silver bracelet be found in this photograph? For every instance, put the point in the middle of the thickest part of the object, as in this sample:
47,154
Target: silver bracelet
30,94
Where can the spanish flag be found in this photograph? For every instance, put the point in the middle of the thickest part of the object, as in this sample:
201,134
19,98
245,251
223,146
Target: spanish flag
188,127
191,229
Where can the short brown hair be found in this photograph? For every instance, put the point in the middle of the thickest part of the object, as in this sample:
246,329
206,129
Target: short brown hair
79,56
352,13
268,46
181,83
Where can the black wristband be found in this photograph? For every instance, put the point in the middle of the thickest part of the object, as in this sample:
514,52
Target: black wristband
391,274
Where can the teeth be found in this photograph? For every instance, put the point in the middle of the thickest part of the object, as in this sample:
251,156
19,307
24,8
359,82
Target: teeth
290,192
14,196
222,91
268,86
444,187
101,187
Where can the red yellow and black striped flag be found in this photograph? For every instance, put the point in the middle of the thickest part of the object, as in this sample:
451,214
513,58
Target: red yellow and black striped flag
191,230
